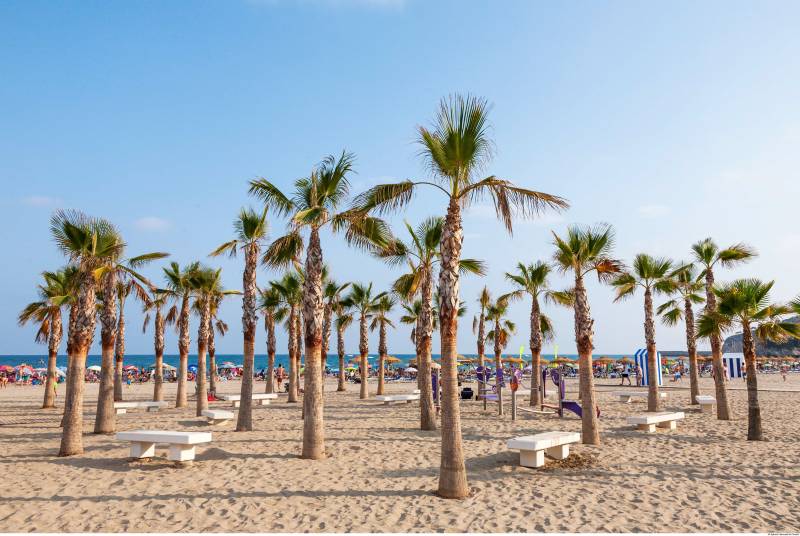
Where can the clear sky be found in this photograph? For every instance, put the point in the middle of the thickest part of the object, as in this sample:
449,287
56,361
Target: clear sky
671,121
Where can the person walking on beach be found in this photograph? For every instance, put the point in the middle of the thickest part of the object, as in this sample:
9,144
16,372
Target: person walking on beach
638,376
626,375
280,375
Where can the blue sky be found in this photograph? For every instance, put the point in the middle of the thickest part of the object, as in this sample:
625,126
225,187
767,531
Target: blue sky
671,121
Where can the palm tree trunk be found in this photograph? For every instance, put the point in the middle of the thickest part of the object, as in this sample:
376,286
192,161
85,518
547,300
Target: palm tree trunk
653,400
723,406
269,322
183,350
81,337
212,360
452,470
691,346
422,339
313,425
202,349
754,431
119,350
340,350
158,344
382,351
298,333
363,348
536,352
292,355
244,422
105,416
326,339
72,328
498,366
54,342
584,333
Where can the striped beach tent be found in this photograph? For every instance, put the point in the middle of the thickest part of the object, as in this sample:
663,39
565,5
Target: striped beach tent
640,357
734,364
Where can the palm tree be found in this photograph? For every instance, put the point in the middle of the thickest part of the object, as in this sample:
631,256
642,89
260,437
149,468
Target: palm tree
313,206
251,231
380,320
532,280
499,334
179,283
221,327
457,148
421,254
479,324
746,302
155,304
583,251
343,320
652,275
363,302
686,286
269,304
332,294
289,290
56,292
708,255
89,243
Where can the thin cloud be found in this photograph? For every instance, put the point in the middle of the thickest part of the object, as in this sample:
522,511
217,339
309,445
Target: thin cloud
152,224
42,201
653,211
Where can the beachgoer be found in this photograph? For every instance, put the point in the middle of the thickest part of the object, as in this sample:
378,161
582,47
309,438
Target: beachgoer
638,376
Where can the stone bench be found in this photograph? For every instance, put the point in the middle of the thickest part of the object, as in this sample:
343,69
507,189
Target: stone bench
123,407
217,416
181,444
533,448
627,396
388,399
416,392
662,419
264,398
706,403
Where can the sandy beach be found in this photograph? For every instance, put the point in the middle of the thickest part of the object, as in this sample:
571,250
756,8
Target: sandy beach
381,471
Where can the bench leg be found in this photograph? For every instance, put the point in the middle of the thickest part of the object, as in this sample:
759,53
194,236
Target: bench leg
120,411
669,425
142,450
531,458
235,403
152,408
559,453
706,408
213,422
181,453
409,401
265,401
649,428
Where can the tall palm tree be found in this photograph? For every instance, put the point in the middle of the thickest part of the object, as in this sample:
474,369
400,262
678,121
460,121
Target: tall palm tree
585,250
746,302
57,291
343,320
708,255
155,304
380,320
251,231
269,304
179,283
332,295
532,280
456,149
652,275
89,243
363,302
686,286
502,329
313,206
289,289
479,324
220,327
422,254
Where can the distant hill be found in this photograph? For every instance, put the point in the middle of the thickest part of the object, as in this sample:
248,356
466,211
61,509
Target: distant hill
790,347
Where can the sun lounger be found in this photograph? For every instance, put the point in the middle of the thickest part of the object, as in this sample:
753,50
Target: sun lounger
706,403
627,396
388,399
533,448
264,398
663,419
217,416
181,444
123,407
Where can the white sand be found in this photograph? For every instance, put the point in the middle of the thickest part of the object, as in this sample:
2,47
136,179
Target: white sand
382,470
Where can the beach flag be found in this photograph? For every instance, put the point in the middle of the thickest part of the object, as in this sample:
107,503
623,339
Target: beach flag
640,357
734,364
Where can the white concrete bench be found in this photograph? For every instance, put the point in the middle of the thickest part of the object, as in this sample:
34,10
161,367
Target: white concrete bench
123,407
217,416
706,403
264,398
627,396
181,444
533,448
388,399
662,419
